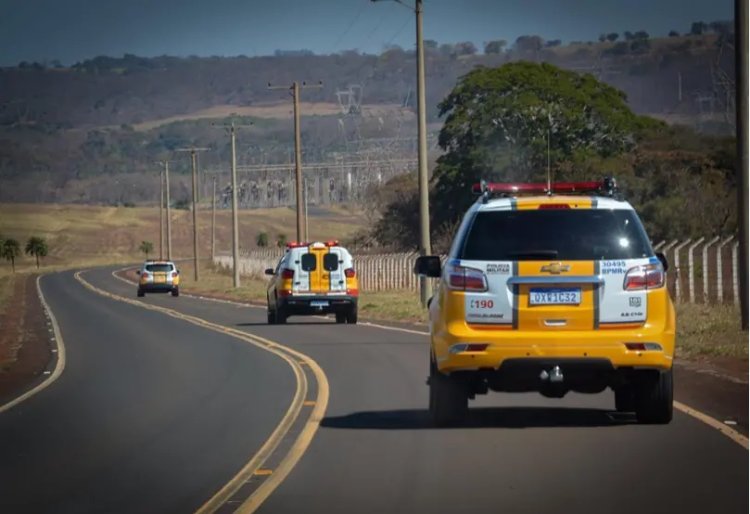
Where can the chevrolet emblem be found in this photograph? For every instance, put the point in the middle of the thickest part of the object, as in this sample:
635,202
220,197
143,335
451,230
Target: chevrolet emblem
555,268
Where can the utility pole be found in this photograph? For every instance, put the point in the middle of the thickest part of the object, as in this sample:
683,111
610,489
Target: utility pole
193,156
295,88
741,57
161,215
425,287
307,237
213,223
165,174
232,130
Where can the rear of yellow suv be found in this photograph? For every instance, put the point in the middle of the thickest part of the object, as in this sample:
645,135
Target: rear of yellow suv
551,291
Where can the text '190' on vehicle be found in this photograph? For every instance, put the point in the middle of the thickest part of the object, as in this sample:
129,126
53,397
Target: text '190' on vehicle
551,288
158,277
313,278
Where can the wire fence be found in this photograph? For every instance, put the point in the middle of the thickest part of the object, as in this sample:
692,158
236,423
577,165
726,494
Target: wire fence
703,270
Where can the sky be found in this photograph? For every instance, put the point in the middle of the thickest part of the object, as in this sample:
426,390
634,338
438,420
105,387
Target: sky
74,30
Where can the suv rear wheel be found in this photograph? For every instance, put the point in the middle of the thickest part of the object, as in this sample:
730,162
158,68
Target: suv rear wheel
341,317
653,398
141,293
449,399
624,399
271,317
280,316
176,291
351,316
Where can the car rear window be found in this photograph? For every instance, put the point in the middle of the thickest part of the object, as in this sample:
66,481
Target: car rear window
309,262
158,267
538,235
330,262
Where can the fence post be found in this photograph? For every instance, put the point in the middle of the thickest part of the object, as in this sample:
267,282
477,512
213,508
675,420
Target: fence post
735,275
691,269
677,287
659,245
720,270
705,267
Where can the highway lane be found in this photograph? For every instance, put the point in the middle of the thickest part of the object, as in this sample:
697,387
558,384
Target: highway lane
151,414
375,451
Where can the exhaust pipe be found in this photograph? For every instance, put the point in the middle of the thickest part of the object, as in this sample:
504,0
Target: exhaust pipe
554,376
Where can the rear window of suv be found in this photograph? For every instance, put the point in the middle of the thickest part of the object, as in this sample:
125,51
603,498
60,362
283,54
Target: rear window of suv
559,234
159,268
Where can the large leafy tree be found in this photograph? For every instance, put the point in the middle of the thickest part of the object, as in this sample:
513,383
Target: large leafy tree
10,250
37,247
505,123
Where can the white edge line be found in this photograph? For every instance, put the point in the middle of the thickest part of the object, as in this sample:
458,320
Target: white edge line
731,433
59,364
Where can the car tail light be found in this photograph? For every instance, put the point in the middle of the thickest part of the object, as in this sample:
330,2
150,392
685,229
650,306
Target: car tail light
174,274
287,273
649,276
350,273
461,278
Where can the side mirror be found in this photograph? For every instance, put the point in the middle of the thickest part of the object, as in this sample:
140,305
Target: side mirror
428,265
663,259
269,271
137,272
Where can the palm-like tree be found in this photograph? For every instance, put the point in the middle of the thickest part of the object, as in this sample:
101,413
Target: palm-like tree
9,250
146,247
37,247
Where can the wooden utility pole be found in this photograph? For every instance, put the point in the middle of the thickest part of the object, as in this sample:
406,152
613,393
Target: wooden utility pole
232,129
295,88
193,160
165,193
741,96
161,215
213,223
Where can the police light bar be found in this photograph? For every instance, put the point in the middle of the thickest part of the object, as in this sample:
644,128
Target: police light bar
332,242
295,244
606,186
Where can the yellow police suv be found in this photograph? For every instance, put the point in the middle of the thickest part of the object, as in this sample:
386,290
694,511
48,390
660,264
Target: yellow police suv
158,277
551,288
313,278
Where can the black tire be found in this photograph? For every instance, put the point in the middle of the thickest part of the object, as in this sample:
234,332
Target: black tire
341,317
141,293
176,291
449,399
351,316
281,316
653,398
624,399
271,317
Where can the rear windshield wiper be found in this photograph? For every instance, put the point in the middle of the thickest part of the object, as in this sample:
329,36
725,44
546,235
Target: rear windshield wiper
534,254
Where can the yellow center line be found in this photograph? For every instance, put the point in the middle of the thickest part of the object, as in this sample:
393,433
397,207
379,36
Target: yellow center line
300,445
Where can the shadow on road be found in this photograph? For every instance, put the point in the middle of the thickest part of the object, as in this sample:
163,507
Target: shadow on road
504,417
292,323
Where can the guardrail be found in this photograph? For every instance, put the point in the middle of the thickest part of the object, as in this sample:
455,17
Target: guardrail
703,270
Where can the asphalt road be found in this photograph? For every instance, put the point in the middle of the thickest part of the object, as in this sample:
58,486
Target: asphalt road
153,415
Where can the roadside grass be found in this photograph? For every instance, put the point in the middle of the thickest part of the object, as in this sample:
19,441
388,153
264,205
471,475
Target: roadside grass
83,235
710,331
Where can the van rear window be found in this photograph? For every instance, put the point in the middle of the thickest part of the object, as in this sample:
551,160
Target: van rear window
309,262
560,234
330,262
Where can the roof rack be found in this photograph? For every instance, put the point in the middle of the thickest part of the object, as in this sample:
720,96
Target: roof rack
605,187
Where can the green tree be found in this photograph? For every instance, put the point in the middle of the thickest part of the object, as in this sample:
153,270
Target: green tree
262,240
10,250
498,121
281,240
146,247
37,247
495,47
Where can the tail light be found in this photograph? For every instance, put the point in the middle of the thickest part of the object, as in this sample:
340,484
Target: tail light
461,278
287,273
350,273
649,276
175,273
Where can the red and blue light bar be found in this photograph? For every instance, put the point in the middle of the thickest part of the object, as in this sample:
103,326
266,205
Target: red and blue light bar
607,186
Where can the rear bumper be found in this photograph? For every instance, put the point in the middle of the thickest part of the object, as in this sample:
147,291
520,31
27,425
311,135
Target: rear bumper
603,345
325,304
157,288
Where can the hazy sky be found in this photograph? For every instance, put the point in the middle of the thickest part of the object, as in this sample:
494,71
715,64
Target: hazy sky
73,30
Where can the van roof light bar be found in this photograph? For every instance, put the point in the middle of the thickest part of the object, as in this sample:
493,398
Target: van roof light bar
605,187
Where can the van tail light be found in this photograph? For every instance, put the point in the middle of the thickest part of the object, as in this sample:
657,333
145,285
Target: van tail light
649,276
174,274
461,278
287,273
350,273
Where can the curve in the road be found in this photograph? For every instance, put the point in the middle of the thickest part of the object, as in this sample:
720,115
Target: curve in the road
297,449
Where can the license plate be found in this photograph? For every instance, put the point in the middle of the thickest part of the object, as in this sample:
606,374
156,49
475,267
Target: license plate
557,296
316,303
160,279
